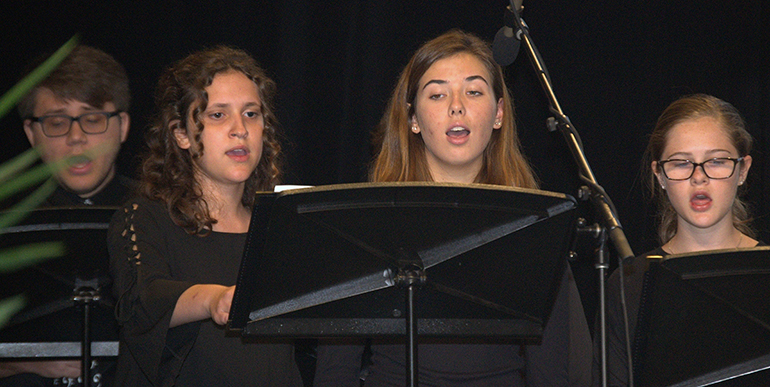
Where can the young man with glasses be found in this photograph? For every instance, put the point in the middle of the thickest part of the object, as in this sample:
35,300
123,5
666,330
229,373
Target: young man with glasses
77,119
78,116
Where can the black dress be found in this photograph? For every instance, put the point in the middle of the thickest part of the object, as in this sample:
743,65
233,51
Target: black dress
563,358
153,261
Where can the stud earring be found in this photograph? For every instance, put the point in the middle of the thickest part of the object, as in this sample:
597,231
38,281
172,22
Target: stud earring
415,129
498,123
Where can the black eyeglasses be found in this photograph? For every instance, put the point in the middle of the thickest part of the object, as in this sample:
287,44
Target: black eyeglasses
716,168
57,125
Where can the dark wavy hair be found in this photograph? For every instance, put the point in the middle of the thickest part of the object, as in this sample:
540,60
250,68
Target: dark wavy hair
684,109
168,172
401,154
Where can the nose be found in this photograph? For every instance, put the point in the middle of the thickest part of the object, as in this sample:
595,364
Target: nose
239,129
76,135
699,175
456,105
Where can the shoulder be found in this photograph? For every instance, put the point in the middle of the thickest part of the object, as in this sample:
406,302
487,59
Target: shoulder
139,210
633,269
139,205
125,184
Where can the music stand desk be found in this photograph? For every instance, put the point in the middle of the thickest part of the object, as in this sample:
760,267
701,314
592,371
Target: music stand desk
326,261
704,319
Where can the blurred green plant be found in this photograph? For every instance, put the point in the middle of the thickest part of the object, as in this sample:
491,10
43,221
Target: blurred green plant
19,174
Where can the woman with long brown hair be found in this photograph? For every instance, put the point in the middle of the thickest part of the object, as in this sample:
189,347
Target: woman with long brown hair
697,161
450,119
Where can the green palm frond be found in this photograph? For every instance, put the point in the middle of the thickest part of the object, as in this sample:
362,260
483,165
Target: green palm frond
17,92
18,175
22,256
10,306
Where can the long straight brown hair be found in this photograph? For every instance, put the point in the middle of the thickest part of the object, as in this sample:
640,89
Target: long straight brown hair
401,154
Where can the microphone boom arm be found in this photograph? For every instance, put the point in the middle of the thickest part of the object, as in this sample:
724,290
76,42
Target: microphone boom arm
601,201
599,197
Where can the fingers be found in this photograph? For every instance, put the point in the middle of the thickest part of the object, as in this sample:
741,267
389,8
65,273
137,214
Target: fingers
53,369
222,309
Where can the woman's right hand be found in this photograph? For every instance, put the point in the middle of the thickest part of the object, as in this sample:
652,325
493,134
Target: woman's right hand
203,301
220,305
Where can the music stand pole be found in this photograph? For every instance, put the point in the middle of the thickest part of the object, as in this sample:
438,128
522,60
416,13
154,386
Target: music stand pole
83,297
602,265
411,278
602,204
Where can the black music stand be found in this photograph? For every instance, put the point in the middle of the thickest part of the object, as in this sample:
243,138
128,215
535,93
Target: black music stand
705,320
377,259
69,311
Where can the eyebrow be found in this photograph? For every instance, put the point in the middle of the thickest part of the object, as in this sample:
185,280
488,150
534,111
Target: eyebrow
227,104
689,154
443,82
63,111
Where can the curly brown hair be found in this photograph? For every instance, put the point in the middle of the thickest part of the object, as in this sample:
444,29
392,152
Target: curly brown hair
167,172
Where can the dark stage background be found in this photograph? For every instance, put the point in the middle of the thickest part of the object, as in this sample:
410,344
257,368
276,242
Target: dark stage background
615,65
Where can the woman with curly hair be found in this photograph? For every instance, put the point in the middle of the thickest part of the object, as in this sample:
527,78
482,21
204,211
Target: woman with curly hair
176,248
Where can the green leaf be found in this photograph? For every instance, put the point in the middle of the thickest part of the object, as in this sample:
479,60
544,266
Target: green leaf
12,97
10,306
14,166
19,257
22,209
28,179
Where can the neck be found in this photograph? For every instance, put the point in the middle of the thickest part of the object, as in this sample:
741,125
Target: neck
686,241
444,175
226,207
107,179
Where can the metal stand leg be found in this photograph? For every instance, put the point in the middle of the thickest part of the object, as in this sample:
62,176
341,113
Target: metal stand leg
411,278
411,334
83,297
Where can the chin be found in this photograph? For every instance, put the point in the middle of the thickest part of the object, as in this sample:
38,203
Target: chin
79,187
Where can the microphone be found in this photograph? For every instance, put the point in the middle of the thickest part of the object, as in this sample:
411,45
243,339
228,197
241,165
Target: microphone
506,45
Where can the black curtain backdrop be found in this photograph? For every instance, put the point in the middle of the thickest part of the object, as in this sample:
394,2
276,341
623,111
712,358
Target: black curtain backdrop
615,66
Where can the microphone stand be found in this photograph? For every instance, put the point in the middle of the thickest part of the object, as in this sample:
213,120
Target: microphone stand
602,204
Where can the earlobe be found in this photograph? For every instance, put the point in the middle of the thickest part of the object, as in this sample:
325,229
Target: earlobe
414,125
658,175
499,115
180,134
745,165
29,132
125,125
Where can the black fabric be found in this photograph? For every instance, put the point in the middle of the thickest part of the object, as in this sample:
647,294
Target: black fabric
634,271
115,193
153,262
561,359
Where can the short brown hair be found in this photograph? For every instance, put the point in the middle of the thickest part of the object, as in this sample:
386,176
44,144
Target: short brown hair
87,75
